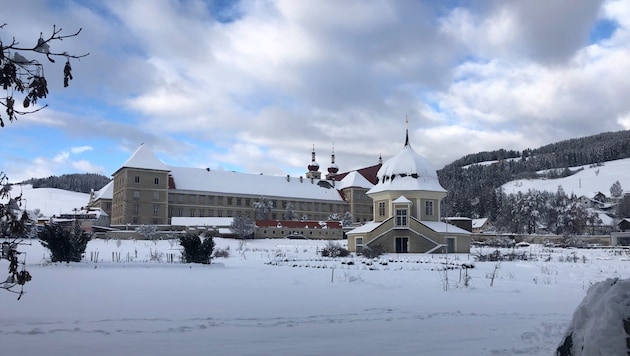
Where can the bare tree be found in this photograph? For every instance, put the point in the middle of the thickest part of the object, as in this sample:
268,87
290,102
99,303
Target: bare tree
23,79
25,76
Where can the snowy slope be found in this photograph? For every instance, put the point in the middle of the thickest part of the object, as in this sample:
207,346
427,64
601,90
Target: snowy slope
587,182
50,201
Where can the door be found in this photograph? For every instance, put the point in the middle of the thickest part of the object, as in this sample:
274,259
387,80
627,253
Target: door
450,245
402,244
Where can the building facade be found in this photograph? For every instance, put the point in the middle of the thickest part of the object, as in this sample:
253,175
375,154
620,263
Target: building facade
406,210
145,191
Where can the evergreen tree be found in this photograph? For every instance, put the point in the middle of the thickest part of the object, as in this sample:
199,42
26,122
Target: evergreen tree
289,212
262,209
243,227
615,190
65,245
347,219
197,249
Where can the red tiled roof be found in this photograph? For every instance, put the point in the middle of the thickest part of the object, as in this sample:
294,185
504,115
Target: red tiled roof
368,173
294,224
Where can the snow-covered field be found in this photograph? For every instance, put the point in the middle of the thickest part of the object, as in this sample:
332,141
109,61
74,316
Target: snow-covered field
278,297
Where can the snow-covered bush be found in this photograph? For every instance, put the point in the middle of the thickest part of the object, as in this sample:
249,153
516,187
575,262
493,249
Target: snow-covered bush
601,323
334,249
64,245
373,251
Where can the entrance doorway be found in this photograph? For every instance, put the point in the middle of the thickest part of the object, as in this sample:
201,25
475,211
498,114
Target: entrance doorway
402,244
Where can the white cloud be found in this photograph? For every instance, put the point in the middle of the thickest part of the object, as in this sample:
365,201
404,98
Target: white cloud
257,92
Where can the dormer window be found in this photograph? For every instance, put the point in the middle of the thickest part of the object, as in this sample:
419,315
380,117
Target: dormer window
401,216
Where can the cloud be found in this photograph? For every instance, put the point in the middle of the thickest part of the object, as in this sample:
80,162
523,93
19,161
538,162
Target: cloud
253,86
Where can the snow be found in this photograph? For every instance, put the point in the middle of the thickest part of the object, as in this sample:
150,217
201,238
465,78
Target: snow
280,297
199,179
396,173
354,179
587,182
144,158
597,327
50,201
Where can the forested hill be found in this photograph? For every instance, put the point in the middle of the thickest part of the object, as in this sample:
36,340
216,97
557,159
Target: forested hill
82,183
472,180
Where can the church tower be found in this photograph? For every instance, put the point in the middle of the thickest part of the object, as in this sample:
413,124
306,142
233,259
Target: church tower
313,167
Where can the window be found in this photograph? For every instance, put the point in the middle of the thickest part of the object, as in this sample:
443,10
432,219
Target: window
229,201
358,244
156,221
156,210
401,217
247,202
381,209
136,179
136,209
211,200
156,195
192,213
136,194
180,212
192,198
238,201
156,180
180,198
428,208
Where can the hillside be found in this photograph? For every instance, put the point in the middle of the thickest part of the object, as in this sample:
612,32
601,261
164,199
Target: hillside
473,180
49,201
588,181
76,182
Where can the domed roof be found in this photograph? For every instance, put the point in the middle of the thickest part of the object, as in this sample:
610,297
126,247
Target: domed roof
407,170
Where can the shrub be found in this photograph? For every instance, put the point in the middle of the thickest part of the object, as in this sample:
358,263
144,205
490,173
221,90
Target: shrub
334,249
222,252
64,245
373,251
196,250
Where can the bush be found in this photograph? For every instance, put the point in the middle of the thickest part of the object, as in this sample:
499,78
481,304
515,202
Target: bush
222,252
196,250
334,249
64,245
373,251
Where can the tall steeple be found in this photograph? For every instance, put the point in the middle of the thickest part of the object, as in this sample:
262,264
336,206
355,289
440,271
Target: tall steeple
333,169
313,167
406,131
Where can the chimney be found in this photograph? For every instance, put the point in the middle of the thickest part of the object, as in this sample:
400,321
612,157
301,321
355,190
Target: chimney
300,179
288,178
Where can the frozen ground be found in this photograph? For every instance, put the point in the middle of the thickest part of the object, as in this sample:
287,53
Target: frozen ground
278,297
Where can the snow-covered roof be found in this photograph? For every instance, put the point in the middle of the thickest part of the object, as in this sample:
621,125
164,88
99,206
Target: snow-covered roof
201,179
407,170
367,227
477,223
107,192
354,179
199,221
144,158
206,180
402,200
439,226
436,226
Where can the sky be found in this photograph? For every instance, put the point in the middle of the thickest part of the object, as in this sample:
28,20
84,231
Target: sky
253,86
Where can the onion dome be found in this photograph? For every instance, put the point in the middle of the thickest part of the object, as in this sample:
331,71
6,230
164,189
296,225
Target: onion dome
333,169
313,166
407,170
